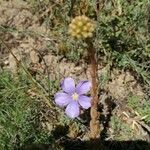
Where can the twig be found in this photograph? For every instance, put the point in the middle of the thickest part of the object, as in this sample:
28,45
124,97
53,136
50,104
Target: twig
144,125
48,73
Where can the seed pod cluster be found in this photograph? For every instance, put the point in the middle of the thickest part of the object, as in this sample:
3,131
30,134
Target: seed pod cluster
81,27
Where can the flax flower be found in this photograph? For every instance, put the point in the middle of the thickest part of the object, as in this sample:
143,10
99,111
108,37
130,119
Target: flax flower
73,97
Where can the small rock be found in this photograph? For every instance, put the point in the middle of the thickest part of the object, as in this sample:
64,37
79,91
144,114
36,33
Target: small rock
34,57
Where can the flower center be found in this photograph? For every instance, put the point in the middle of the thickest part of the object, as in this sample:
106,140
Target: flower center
75,96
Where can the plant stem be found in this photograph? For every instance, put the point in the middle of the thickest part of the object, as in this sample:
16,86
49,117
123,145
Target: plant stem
94,123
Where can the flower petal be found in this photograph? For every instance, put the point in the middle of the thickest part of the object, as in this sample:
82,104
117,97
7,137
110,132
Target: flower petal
83,87
68,85
62,99
72,110
85,101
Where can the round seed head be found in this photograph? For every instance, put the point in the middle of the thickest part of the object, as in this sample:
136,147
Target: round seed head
81,27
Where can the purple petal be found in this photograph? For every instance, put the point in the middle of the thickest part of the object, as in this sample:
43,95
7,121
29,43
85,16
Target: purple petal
83,87
72,110
85,101
62,99
68,85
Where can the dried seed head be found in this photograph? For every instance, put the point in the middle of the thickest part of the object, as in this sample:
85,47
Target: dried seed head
81,27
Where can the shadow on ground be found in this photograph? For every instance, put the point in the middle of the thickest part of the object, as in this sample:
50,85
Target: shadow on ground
105,145
62,142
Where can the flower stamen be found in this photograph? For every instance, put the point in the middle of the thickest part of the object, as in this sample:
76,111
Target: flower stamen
75,96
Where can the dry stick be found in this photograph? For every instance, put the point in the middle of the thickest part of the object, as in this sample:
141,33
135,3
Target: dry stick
28,73
94,123
48,72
